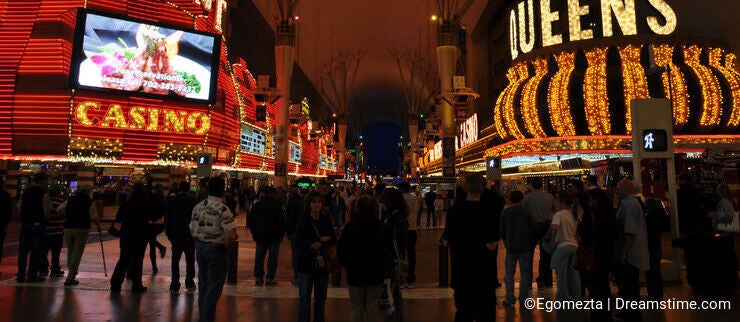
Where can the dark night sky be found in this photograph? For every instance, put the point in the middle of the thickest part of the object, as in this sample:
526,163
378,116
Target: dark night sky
381,139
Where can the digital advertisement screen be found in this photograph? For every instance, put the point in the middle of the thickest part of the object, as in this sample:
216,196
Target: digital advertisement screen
117,54
252,140
295,153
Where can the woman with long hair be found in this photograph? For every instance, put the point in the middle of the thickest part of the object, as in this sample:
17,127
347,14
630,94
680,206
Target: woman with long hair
133,242
314,234
395,227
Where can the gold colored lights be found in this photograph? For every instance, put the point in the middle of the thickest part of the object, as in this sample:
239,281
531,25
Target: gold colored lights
548,17
673,84
594,89
526,35
114,115
668,14
715,60
81,113
516,78
174,120
710,90
92,149
530,110
558,100
624,11
513,35
635,81
194,119
575,12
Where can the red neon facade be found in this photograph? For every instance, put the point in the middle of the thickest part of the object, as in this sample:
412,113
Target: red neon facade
40,116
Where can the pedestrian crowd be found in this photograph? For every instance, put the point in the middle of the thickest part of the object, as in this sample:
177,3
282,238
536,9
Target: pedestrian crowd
582,233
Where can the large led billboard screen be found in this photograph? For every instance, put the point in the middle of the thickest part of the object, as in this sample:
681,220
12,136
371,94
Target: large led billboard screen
136,57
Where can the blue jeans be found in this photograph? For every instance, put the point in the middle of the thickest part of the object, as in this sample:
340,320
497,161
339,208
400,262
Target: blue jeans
525,271
211,277
319,283
272,261
569,282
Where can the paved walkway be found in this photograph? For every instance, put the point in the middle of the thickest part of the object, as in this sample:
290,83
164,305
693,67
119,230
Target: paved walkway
92,301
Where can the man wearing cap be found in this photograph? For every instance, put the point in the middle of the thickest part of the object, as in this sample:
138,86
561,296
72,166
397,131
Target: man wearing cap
34,207
266,222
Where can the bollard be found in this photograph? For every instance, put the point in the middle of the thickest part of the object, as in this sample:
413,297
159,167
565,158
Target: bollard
232,264
444,275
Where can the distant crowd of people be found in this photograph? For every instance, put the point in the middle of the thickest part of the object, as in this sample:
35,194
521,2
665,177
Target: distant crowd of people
584,235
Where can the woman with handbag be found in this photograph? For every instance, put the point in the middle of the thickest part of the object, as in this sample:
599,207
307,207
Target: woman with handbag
564,227
361,254
395,230
314,237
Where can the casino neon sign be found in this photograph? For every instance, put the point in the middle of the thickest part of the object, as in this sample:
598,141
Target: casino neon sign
142,118
524,36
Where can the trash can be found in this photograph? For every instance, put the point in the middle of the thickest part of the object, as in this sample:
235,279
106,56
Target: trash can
711,262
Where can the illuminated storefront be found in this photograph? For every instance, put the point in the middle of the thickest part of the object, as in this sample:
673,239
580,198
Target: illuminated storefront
130,84
576,66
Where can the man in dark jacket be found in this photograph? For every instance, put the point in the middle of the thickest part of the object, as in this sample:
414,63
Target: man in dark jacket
361,253
35,206
266,222
177,227
472,234
515,234
602,211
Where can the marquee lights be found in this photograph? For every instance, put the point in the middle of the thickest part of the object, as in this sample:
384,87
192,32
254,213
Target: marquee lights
530,111
521,72
198,123
673,84
575,12
526,39
519,102
670,18
623,12
594,88
607,144
635,81
117,129
548,17
710,90
715,60
558,99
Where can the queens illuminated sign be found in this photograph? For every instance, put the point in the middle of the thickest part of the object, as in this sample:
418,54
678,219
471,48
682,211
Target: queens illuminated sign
142,118
527,31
